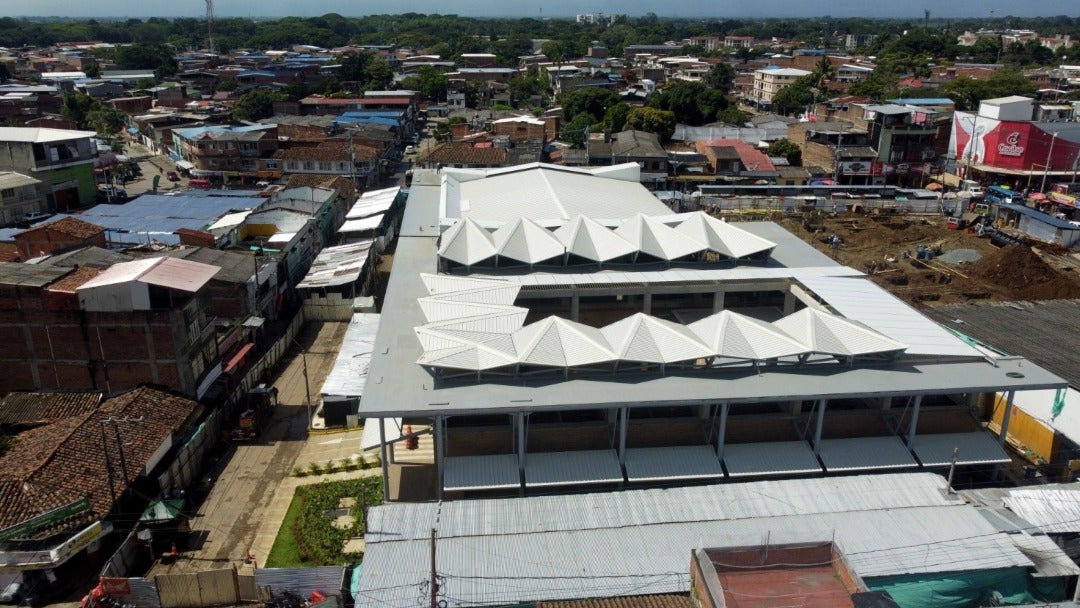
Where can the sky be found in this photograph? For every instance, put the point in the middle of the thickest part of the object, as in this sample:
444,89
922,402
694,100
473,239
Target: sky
549,8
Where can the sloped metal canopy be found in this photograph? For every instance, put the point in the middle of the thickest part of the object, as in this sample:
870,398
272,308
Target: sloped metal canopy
721,237
730,334
469,357
557,342
655,238
648,339
466,242
526,241
464,289
591,240
831,334
438,309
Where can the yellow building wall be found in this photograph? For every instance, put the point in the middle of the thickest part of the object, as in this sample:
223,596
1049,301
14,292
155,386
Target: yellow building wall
1030,436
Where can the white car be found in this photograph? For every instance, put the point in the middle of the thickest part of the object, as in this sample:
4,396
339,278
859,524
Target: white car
410,150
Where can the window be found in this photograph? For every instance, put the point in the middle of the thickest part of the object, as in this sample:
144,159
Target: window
7,193
271,164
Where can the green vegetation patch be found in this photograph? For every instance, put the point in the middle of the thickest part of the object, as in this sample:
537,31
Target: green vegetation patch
308,536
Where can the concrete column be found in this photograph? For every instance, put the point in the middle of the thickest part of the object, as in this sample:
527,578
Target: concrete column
646,303
575,307
1005,419
718,301
624,423
521,443
720,435
385,461
440,458
819,424
885,403
789,303
913,426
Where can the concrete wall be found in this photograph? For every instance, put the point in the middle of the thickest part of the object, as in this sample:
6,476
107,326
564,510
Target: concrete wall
331,307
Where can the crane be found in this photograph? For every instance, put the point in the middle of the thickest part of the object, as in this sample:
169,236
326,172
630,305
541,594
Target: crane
210,24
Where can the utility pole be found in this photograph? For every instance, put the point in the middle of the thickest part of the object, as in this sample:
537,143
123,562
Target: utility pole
434,583
1049,157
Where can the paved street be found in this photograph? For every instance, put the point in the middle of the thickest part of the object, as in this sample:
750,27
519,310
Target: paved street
225,527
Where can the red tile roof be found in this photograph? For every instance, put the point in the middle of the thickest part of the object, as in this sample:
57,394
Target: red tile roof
59,463
751,158
20,408
328,151
74,280
70,226
464,153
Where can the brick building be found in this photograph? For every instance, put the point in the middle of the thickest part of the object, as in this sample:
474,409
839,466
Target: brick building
146,321
61,235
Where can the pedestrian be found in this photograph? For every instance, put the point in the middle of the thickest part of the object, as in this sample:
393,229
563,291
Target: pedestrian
160,171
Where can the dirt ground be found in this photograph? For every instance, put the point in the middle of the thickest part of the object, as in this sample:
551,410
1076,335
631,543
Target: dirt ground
1010,273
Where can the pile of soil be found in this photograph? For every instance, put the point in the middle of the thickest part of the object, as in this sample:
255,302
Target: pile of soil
1022,275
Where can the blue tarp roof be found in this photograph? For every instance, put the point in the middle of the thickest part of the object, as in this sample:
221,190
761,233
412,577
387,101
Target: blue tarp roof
1039,215
158,216
378,120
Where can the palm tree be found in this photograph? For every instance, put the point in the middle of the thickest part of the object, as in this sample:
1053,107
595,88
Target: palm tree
819,78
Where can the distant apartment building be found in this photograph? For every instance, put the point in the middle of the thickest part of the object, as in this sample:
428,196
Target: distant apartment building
768,82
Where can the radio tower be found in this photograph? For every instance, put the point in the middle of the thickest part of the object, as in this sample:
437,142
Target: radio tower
210,24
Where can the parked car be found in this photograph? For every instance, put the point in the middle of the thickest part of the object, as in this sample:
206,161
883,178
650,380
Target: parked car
112,192
410,150
172,176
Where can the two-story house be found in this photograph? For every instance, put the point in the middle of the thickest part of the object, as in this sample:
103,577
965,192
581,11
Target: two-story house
62,159
20,196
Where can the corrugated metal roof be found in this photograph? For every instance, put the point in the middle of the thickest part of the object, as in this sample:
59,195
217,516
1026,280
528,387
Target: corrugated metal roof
657,239
591,240
885,525
492,472
832,334
865,454
570,468
666,276
229,220
975,448
337,265
349,374
671,463
466,242
868,303
777,458
526,241
722,237
641,338
557,342
442,285
438,309
1048,557
173,273
730,334
371,203
1054,509
362,224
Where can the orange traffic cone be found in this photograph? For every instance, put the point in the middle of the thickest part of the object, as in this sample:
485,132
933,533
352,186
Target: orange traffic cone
174,552
410,442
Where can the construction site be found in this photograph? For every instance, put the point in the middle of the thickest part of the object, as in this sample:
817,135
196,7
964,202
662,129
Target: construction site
925,262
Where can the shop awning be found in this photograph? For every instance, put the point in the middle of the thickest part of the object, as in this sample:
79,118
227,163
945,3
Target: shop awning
493,472
975,448
771,459
865,454
671,463
572,468
185,165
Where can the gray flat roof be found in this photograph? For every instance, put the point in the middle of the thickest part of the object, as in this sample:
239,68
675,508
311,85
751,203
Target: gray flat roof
674,462
974,448
544,469
493,472
777,458
397,386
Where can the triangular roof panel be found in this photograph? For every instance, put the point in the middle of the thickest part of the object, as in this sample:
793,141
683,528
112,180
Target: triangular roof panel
438,309
466,242
474,357
655,238
832,334
526,241
722,237
591,240
730,334
651,340
557,342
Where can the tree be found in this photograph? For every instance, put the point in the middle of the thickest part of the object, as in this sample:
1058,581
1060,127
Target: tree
107,121
732,116
820,77
157,57
378,75
615,117
92,70
576,130
77,107
787,149
721,76
795,97
431,83
592,101
660,122
691,102
255,105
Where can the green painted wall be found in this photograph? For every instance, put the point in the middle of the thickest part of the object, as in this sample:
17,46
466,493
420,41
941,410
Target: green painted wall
84,174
